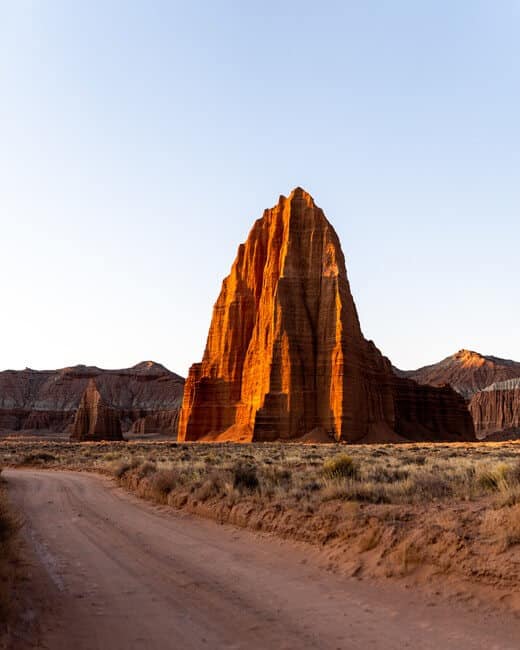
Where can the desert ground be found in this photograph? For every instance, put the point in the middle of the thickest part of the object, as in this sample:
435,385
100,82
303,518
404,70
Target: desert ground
161,544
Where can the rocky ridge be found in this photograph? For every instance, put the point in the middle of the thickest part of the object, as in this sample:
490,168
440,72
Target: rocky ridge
468,372
146,396
490,384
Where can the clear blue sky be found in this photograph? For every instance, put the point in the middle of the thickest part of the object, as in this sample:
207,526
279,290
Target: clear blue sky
139,141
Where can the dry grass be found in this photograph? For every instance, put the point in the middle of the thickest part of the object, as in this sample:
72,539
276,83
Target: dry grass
378,509
503,526
291,474
393,474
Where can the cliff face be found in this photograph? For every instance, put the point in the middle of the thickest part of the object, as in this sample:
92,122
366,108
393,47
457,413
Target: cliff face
48,400
496,409
466,371
94,419
156,421
490,384
285,354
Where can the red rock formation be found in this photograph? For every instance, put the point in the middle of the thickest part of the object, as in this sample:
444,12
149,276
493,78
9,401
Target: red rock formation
490,385
466,371
285,354
48,400
426,413
496,410
95,419
156,422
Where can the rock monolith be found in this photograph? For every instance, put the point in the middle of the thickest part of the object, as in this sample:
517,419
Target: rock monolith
285,355
95,419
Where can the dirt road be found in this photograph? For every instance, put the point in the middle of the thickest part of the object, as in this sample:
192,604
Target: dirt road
121,574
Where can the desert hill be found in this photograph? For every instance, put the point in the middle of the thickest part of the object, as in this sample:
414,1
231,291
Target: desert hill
147,397
490,384
466,371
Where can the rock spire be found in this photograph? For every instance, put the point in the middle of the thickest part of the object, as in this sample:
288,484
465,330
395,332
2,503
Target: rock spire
285,354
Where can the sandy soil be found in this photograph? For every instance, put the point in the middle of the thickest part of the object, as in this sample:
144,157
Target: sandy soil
113,572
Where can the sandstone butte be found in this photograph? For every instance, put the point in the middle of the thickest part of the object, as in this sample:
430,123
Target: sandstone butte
466,371
147,396
496,410
95,419
285,356
490,384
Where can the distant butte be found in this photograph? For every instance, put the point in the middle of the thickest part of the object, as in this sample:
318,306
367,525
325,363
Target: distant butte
285,356
466,371
147,397
490,384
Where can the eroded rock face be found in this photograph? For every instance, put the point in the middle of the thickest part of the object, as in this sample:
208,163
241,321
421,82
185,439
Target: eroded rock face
466,371
489,383
285,354
48,400
158,421
496,409
95,419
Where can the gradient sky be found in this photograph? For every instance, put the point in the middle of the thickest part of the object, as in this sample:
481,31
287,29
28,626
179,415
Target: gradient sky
139,141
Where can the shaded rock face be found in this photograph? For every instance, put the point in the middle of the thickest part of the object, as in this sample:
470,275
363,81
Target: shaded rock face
466,371
95,420
285,354
157,421
496,410
48,400
490,384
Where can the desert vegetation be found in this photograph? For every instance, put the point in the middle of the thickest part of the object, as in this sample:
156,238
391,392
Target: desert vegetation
370,474
380,510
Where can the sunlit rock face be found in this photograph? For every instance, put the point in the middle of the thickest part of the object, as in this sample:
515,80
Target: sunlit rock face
285,354
95,419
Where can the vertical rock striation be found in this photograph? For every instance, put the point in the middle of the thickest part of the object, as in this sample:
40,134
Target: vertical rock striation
95,420
147,397
496,409
285,354
490,384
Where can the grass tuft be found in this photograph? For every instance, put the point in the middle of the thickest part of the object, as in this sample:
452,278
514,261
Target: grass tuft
245,477
340,467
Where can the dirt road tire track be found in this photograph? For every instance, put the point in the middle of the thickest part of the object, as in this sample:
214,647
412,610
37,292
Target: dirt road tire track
123,574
